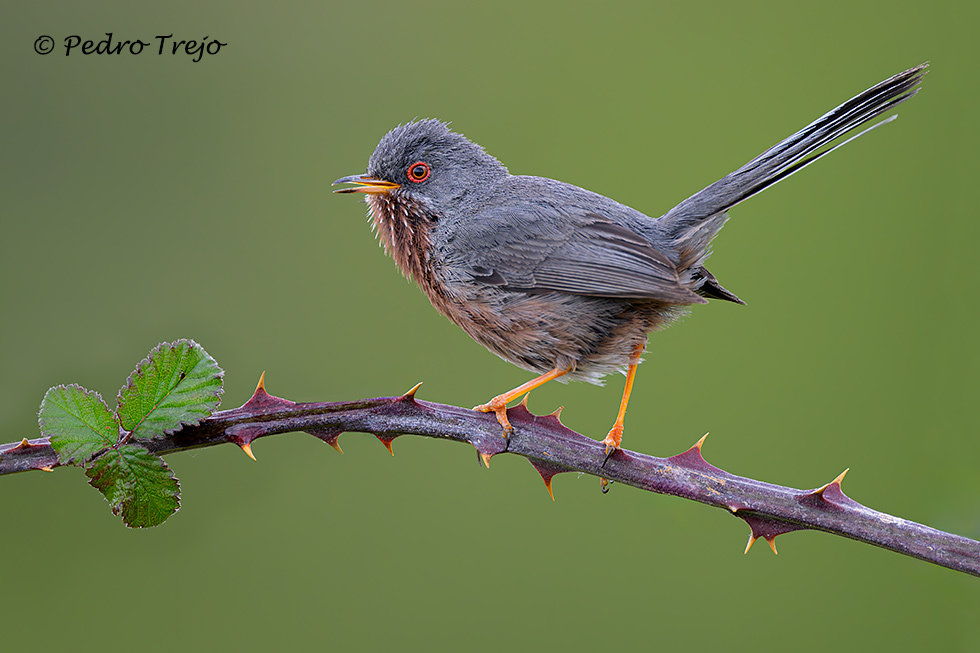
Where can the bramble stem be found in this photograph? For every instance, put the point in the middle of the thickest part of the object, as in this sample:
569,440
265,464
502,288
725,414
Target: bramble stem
770,510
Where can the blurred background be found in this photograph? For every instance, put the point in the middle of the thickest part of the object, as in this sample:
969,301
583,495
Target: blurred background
149,198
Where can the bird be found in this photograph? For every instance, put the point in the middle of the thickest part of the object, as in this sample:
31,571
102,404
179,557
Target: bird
558,280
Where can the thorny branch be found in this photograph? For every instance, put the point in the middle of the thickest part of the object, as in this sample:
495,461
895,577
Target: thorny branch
769,510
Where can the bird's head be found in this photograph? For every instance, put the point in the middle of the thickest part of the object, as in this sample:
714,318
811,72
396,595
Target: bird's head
425,164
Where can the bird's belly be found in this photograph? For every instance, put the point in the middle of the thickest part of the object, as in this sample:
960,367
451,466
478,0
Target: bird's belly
593,336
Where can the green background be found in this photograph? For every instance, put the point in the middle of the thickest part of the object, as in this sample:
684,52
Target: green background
148,198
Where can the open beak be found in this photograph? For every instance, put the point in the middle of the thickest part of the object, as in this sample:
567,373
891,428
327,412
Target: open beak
365,184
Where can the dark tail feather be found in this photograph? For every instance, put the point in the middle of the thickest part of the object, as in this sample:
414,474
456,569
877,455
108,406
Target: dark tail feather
696,220
705,284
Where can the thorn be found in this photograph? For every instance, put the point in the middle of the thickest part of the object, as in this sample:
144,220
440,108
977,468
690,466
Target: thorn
23,445
486,459
386,440
524,401
261,399
547,472
752,539
547,484
693,459
767,529
247,448
837,481
45,469
328,435
700,442
411,393
557,413
840,477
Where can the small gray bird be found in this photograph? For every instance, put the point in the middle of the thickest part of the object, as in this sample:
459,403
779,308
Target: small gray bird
556,279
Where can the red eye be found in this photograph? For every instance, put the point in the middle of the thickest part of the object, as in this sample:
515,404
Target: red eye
419,172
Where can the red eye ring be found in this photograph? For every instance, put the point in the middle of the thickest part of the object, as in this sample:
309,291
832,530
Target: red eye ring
419,172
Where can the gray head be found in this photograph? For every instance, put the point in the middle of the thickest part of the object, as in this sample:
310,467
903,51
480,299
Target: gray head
424,162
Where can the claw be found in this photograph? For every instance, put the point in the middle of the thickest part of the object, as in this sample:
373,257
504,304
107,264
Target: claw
612,442
610,450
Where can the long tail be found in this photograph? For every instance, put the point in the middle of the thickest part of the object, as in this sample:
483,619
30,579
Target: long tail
695,221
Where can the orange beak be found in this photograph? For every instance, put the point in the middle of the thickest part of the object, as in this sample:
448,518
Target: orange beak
365,184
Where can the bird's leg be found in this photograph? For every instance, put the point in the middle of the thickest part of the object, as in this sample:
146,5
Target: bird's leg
615,437
499,403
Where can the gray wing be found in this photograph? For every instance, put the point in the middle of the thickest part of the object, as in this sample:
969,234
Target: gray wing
555,244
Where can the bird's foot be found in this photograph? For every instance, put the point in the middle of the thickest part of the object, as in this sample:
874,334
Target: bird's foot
498,405
612,441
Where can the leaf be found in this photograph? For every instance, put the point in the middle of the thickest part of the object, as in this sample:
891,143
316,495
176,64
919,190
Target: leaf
138,485
77,421
176,384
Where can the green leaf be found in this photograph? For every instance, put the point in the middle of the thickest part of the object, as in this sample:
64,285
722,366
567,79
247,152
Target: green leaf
138,485
176,384
77,421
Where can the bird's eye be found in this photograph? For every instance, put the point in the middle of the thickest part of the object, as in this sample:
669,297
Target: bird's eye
419,172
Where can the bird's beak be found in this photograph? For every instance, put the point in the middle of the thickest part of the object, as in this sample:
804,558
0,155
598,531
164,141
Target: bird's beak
366,184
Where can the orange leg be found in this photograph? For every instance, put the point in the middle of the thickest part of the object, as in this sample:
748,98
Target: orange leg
615,437
499,403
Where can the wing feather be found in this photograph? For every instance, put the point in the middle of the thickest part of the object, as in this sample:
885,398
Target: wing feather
551,247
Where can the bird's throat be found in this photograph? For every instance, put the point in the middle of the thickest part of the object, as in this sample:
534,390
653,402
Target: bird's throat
404,231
